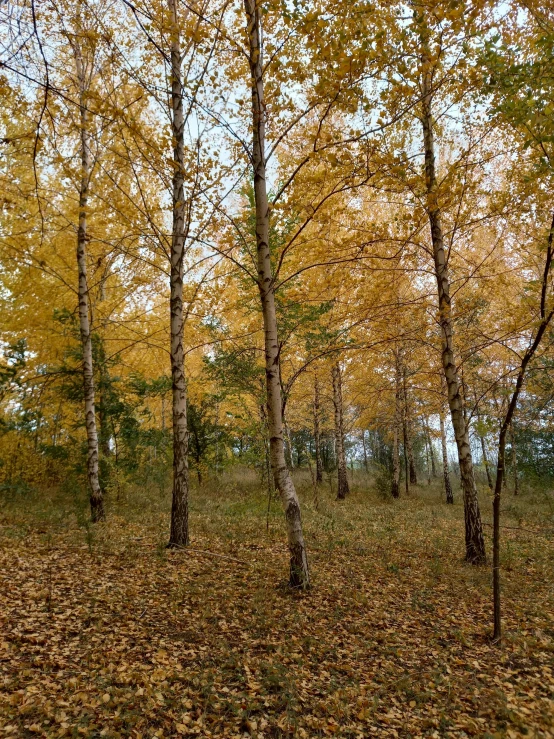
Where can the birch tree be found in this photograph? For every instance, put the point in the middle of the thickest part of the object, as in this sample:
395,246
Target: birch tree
179,532
299,572
342,477
474,540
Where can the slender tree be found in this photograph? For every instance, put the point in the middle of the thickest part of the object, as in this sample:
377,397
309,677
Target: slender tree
317,434
474,540
431,448
395,483
342,478
179,532
514,458
299,573
445,470
546,313
407,430
84,63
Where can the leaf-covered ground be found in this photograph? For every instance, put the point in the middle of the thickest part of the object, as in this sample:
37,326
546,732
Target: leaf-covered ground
105,633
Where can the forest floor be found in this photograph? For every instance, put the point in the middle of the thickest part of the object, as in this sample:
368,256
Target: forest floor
105,633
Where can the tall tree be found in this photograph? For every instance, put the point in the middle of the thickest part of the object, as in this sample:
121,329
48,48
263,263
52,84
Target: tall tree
84,64
299,573
396,422
445,470
317,433
179,532
343,487
474,540
546,313
408,429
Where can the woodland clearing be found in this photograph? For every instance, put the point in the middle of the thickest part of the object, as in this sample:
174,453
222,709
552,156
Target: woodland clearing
107,633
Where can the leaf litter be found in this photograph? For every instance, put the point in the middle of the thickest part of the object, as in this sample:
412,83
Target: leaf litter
121,638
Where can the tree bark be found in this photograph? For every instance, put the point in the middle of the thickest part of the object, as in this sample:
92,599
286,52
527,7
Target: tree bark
343,487
431,449
299,573
395,483
179,533
445,472
514,458
406,463
95,491
407,431
317,434
288,446
485,460
474,540
366,463
428,460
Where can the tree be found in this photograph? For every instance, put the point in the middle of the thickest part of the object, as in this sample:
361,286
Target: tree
299,573
179,531
475,543
84,63
342,481
317,436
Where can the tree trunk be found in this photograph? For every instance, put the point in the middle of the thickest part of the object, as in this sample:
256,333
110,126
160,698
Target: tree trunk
95,491
299,573
406,464
485,460
366,464
474,540
407,432
514,458
395,484
179,534
103,415
317,434
546,317
343,488
428,460
431,450
445,472
288,447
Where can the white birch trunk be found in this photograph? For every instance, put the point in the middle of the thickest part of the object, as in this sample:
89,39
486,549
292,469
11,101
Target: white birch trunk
474,540
299,573
95,491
